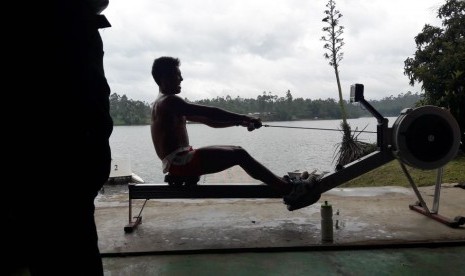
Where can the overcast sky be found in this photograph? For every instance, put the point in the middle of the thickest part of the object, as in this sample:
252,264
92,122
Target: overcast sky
244,47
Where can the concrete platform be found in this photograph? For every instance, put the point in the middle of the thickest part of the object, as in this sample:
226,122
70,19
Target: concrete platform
378,217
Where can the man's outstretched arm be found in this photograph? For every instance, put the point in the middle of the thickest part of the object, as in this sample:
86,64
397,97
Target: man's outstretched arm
211,116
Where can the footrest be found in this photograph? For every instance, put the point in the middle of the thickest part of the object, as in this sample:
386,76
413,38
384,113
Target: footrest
454,223
175,180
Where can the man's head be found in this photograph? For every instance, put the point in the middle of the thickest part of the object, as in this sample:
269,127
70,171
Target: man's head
166,73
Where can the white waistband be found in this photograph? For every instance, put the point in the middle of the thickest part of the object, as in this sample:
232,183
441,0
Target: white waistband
168,159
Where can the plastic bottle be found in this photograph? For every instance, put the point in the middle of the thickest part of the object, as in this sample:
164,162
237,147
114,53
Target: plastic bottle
337,218
326,222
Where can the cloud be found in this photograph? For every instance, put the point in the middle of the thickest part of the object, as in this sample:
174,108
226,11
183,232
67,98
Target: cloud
242,48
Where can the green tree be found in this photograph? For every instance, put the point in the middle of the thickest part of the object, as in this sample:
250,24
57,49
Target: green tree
125,111
439,62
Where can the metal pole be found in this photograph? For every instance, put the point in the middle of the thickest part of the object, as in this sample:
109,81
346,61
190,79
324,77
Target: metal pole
130,210
415,189
437,190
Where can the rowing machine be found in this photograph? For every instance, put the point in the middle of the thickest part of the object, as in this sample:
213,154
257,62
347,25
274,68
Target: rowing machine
426,137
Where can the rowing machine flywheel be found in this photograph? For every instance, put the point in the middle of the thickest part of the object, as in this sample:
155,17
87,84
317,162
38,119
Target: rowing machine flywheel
426,137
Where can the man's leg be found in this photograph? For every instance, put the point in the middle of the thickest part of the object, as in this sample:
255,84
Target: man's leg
219,158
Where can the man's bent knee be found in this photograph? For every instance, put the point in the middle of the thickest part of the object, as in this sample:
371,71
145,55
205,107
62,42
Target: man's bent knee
241,153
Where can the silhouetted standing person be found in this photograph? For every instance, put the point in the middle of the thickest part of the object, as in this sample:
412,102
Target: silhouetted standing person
66,138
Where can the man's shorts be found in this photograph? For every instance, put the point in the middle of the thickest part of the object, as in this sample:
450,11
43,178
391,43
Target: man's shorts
183,162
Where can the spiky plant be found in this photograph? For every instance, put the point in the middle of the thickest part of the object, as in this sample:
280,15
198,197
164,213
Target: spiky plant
351,148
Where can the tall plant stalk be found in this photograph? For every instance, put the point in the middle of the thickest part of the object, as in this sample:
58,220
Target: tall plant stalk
350,148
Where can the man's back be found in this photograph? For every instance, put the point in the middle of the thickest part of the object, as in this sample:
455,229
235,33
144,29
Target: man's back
168,126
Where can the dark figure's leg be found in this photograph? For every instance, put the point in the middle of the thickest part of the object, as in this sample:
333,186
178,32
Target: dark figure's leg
219,158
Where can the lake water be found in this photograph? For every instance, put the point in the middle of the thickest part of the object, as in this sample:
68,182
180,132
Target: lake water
280,149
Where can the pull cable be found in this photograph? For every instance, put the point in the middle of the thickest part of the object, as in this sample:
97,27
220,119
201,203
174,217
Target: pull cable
318,128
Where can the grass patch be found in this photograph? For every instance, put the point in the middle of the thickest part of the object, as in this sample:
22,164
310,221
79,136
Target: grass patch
391,174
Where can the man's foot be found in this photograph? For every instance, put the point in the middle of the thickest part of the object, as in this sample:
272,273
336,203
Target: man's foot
304,193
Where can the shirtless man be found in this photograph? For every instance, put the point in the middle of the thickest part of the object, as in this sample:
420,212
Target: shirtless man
171,140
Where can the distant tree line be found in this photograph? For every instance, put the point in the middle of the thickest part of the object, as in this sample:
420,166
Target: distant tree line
267,106
125,111
274,108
